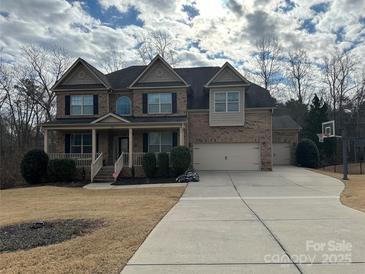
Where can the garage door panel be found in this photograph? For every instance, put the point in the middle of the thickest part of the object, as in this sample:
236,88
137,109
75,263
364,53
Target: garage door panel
242,156
281,154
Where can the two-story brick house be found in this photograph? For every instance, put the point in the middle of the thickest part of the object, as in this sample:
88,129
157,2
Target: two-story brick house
107,122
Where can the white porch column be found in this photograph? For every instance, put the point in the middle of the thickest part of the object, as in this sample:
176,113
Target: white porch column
182,137
130,149
45,140
93,145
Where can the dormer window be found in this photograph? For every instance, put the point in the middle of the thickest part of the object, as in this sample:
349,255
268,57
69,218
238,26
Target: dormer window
123,105
227,101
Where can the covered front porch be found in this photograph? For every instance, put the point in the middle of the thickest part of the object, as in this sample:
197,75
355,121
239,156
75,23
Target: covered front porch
117,148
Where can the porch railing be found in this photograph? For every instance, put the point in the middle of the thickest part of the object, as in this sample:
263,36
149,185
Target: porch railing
118,166
96,166
81,159
137,158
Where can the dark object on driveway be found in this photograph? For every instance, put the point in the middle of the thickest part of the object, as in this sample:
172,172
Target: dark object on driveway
31,235
188,176
37,225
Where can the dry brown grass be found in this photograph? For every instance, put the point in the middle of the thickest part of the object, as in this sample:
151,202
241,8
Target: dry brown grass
353,194
129,214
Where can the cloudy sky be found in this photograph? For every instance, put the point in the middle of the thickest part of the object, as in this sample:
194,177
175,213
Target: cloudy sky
205,32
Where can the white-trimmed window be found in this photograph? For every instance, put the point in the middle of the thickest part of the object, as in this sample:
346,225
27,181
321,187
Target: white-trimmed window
227,101
124,105
159,103
160,141
82,105
81,143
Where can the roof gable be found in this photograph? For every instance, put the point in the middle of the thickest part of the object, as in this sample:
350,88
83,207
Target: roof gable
110,118
227,75
158,72
81,73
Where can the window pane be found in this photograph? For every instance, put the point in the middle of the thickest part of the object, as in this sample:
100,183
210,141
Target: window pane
88,100
153,98
75,149
76,140
154,138
165,98
166,148
220,97
123,105
166,138
153,148
233,107
88,110
153,108
219,107
233,96
166,108
86,139
76,100
75,110
87,149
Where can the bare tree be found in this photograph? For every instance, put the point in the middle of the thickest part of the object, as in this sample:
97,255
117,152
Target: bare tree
338,69
47,67
298,74
156,42
267,61
113,60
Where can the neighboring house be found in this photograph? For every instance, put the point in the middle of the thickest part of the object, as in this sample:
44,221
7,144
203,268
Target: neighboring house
115,118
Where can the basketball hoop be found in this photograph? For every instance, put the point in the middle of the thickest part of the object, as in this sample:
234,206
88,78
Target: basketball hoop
321,137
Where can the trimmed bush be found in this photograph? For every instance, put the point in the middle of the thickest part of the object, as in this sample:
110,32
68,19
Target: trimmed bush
149,164
34,166
180,159
307,154
62,170
163,164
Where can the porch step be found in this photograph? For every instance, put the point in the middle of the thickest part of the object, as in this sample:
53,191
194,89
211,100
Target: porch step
105,175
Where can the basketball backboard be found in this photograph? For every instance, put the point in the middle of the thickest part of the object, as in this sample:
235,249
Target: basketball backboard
328,129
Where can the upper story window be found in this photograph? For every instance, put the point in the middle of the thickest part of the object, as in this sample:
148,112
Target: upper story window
227,101
124,105
159,103
82,105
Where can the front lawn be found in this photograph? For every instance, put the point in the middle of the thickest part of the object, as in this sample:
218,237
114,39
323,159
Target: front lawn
353,194
127,216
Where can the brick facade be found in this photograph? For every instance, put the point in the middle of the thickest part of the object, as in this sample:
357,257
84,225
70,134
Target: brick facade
257,129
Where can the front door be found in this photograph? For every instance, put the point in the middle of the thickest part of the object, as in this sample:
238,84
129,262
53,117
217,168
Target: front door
123,145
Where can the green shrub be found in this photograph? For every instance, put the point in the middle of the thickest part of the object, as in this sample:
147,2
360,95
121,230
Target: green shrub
149,164
34,166
62,170
163,164
307,154
180,159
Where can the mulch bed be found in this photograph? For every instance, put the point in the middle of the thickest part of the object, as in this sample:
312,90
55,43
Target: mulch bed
140,181
30,235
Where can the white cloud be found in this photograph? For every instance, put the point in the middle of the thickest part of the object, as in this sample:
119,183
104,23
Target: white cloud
226,29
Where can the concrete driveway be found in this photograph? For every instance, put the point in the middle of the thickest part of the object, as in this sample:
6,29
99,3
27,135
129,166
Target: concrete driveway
286,221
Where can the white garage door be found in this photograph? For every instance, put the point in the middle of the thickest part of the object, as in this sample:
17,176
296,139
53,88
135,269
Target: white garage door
281,154
242,156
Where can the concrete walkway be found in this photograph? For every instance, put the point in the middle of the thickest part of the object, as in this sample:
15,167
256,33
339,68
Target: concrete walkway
286,221
104,186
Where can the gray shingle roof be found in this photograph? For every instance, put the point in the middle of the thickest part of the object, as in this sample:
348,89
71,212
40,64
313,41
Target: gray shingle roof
284,122
198,96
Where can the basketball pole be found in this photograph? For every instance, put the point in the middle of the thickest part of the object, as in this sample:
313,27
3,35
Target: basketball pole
344,155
